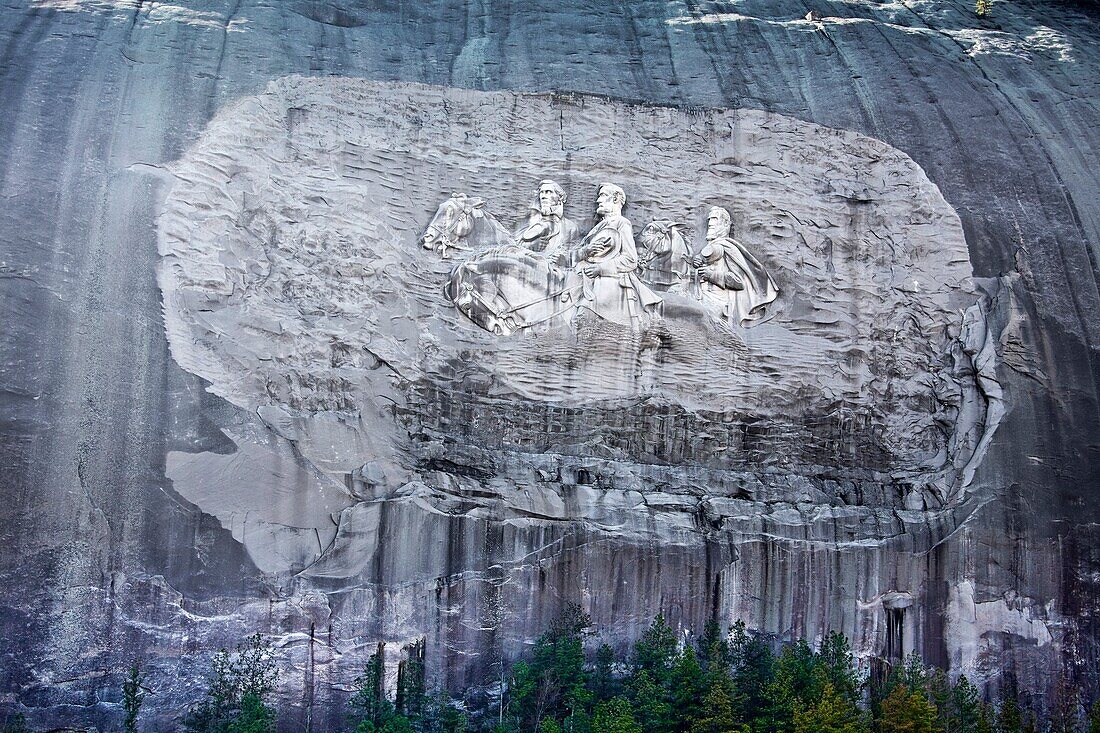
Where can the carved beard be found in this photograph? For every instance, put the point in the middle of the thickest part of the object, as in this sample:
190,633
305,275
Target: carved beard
552,210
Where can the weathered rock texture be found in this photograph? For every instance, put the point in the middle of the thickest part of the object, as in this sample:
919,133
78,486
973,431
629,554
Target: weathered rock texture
303,437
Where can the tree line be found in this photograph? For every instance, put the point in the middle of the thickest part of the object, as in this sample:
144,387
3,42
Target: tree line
719,681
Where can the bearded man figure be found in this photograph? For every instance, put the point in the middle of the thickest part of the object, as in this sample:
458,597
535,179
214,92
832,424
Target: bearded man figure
547,230
607,263
730,276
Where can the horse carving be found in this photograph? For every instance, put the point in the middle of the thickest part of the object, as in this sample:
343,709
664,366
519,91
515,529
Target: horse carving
461,223
509,288
664,257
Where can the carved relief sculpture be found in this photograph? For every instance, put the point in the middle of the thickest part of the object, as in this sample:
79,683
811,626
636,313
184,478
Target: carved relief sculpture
547,229
607,261
665,256
729,276
462,223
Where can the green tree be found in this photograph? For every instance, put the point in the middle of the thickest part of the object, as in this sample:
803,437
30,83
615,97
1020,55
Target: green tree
837,666
796,682
17,724
753,669
411,695
441,715
133,694
238,687
904,711
965,710
549,725
720,714
688,686
1094,718
833,713
370,708
939,693
986,718
554,683
655,652
712,643
1093,721
615,716
912,674
1008,719
651,708
253,717
603,684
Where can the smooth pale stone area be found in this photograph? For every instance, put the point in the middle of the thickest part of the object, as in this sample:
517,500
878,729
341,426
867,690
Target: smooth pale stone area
293,283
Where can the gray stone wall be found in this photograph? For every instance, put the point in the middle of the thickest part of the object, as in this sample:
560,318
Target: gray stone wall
111,551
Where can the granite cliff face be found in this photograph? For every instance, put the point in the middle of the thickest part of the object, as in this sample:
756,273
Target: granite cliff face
235,396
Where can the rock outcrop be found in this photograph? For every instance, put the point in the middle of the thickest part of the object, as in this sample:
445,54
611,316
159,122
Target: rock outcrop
235,396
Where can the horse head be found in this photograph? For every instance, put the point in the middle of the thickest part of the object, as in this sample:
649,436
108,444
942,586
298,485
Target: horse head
665,254
452,223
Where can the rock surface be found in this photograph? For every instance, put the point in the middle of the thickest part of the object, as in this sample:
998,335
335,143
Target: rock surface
261,451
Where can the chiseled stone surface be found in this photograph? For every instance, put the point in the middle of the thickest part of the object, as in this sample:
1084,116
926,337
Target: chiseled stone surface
237,456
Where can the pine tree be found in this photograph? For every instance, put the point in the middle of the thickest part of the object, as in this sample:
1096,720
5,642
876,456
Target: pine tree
688,686
712,643
411,695
651,709
1008,718
796,682
655,652
235,701
720,715
369,705
603,684
939,693
554,683
987,722
833,713
133,694
903,711
17,724
1094,718
835,661
253,717
753,667
966,710
615,716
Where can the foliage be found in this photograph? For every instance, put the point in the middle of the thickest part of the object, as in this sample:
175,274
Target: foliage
650,706
1008,718
133,694
235,700
16,724
615,716
965,710
411,695
554,683
982,8
753,667
688,686
602,683
832,713
720,715
1094,718
906,711
719,684
837,666
655,652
